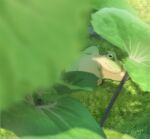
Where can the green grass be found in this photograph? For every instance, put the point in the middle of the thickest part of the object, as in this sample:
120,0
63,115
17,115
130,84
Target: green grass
7,134
116,135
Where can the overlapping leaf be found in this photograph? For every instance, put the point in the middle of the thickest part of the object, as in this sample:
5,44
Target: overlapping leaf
38,39
62,119
131,35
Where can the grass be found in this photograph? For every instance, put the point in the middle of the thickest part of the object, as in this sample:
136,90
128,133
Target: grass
4,134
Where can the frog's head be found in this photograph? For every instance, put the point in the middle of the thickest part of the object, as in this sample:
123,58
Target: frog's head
93,50
111,55
110,66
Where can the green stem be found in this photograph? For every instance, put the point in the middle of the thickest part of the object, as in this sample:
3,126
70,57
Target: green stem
112,101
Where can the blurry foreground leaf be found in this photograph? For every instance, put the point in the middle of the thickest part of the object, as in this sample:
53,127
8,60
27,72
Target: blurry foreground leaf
38,39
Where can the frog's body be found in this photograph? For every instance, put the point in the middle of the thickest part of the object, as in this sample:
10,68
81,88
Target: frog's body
100,66
110,69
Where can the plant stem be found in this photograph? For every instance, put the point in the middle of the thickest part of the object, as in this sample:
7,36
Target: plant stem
113,99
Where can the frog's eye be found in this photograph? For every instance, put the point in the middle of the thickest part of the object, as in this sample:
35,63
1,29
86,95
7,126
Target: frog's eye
110,55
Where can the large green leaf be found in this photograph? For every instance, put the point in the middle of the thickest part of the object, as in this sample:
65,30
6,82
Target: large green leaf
65,118
38,39
131,35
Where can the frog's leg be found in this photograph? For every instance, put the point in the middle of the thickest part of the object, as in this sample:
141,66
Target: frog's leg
100,80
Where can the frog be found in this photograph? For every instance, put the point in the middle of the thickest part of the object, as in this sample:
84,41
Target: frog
111,67
92,67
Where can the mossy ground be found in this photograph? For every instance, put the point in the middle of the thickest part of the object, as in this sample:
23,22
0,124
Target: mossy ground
130,114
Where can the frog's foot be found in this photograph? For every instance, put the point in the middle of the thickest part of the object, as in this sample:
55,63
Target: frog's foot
99,82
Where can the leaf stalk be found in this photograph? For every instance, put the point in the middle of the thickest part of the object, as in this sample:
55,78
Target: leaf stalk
112,101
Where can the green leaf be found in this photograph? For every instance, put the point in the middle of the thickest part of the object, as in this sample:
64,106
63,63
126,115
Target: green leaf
66,118
38,40
130,34
80,80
